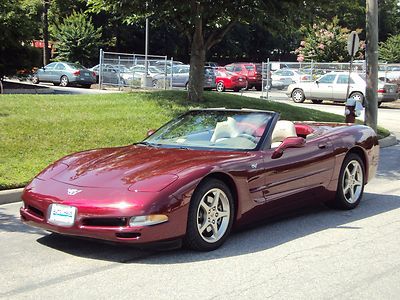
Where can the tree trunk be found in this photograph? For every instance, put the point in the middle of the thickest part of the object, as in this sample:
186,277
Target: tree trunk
197,59
45,33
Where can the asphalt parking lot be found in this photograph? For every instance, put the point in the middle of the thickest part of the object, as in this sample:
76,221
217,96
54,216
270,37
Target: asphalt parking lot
317,253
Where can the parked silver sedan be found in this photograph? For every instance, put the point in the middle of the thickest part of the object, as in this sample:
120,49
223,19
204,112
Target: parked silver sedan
64,74
333,87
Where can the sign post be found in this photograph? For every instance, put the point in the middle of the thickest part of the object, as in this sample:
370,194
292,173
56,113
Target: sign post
353,44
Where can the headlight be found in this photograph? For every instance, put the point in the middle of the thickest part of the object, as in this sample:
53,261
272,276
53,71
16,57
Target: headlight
147,220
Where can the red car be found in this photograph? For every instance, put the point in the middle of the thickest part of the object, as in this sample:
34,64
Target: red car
252,71
199,175
226,80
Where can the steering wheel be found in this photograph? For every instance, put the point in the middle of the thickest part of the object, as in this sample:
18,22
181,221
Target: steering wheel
249,137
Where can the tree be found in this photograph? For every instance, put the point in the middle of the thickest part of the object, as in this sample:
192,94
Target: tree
203,22
389,50
16,34
326,42
78,40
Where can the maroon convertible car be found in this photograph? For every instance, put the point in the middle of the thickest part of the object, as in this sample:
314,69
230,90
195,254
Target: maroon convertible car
201,174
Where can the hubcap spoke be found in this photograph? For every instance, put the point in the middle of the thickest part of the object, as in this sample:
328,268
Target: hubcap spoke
215,230
204,226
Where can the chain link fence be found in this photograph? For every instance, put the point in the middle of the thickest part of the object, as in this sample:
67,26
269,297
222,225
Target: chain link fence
133,70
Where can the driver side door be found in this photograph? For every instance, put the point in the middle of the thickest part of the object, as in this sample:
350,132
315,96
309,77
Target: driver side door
323,87
300,175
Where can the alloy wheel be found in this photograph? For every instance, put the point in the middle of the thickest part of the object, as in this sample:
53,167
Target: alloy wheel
352,182
213,215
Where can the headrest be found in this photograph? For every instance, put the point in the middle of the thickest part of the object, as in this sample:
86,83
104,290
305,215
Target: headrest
282,130
225,129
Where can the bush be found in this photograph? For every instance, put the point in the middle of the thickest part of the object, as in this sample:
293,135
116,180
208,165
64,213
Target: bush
326,42
77,39
390,49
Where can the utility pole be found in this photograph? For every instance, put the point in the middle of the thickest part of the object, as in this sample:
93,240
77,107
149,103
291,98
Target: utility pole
371,101
46,4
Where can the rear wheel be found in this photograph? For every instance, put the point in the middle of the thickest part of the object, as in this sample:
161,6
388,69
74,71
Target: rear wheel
351,183
316,101
64,81
220,86
258,87
155,83
298,96
86,86
35,79
379,104
210,216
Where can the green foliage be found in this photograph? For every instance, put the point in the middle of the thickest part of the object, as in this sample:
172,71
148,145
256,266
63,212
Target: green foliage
389,50
17,30
78,40
326,42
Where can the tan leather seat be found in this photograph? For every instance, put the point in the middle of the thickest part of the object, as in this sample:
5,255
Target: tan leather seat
282,130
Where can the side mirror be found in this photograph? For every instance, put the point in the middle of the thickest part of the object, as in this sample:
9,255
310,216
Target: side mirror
290,142
43,68
150,132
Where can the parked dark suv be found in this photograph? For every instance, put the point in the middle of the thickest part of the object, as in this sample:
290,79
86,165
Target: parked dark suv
252,71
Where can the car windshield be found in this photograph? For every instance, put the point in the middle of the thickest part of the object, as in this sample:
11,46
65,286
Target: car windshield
213,129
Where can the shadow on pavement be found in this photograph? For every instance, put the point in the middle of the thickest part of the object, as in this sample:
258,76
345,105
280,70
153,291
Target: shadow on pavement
263,237
11,223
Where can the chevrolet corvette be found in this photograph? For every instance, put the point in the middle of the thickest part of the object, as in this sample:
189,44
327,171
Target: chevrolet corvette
201,175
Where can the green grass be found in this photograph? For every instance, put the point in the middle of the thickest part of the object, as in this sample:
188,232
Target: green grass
35,130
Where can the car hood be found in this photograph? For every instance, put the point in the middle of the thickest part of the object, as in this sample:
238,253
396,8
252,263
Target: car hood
124,166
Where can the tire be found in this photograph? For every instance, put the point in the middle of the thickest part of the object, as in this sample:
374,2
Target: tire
35,79
317,101
86,86
351,182
298,96
258,87
64,81
187,86
358,96
210,220
379,104
236,89
220,86
155,83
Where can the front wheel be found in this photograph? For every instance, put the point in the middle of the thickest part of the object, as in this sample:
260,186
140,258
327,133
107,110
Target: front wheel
298,96
64,81
220,86
210,216
351,183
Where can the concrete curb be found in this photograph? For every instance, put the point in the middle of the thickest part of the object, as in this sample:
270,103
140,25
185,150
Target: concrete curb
10,196
388,141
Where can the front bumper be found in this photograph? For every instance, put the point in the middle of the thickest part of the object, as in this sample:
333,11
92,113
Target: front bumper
103,220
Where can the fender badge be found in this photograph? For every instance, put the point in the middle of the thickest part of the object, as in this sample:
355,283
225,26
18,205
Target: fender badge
253,166
72,192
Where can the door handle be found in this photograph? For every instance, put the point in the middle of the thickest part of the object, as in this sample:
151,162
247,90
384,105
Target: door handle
322,146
